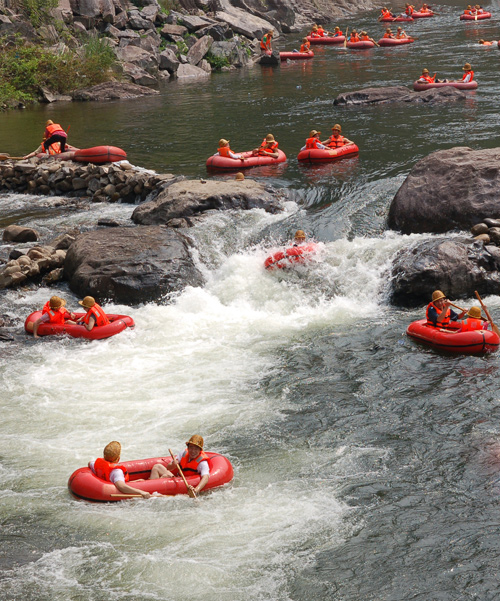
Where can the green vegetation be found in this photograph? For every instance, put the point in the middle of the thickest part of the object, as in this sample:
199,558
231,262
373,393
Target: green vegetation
38,11
217,62
24,69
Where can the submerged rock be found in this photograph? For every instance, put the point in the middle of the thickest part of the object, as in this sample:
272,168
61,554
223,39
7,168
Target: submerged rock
113,90
448,190
131,265
398,94
192,197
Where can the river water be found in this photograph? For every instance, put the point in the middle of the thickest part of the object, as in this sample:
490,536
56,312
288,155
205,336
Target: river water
365,466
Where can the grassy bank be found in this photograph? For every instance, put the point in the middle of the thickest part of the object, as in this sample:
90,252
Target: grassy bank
25,69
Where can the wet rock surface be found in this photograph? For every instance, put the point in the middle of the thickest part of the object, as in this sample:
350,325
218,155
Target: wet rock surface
457,266
451,189
131,265
398,94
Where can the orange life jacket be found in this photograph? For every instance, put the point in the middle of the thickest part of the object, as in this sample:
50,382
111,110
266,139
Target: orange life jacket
466,74
336,142
365,38
471,323
409,11
427,78
305,47
224,151
191,465
487,43
388,35
354,37
440,324
270,149
265,42
467,12
103,469
337,33
50,130
386,14
56,316
98,314
401,36
321,32
312,143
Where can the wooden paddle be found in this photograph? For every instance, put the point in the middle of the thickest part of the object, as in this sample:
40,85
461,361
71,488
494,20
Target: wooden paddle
190,492
457,307
493,326
346,32
4,156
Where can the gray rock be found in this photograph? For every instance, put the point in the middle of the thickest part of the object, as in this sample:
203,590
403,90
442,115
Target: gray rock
168,61
130,265
187,71
494,234
193,23
139,57
138,75
137,22
245,23
92,8
17,233
199,49
449,189
177,30
272,59
491,222
220,32
397,94
190,198
113,90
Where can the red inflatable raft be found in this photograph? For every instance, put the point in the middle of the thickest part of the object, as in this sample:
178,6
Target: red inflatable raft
421,87
327,40
288,257
249,160
117,325
396,19
450,340
100,154
479,17
296,56
360,45
318,155
395,42
84,484
420,15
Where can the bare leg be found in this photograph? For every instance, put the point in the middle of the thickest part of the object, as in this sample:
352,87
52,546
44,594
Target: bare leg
160,471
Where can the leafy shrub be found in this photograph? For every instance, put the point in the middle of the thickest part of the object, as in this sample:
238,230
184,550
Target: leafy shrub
217,62
38,11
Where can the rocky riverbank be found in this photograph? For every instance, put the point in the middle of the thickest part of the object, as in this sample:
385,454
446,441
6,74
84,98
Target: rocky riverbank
152,43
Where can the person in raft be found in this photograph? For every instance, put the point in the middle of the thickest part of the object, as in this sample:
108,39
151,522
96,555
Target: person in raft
425,9
439,314
265,43
192,461
305,46
364,37
313,141
110,470
388,33
426,78
401,34
468,75
336,140
487,43
386,14
54,312
225,151
409,10
354,36
299,238
317,31
269,147
473,321
337,32
95,316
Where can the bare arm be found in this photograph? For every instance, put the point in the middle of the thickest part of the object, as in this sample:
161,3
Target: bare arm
126,489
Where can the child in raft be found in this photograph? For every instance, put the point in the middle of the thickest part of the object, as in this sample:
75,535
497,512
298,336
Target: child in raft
313,142
336,140
54,312
426,78
225,151
364,37
401,34
110,470
388,34
468,75
269,147
305,46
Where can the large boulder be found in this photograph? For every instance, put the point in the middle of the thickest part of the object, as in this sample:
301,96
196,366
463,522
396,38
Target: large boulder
92,8
199,49
187,71
450,189
18,233
168,61
191,198
244,23
457,266
130,265
398,94
139,57
233,52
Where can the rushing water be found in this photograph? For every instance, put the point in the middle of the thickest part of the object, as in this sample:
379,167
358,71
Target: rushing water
365,466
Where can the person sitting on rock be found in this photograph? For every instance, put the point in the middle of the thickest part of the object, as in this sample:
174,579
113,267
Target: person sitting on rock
439,314
225,151
388,34
468,75
336,140
192,461
54,312
110,470
401,34
354,36
95,316
268,148
313,142
265,43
